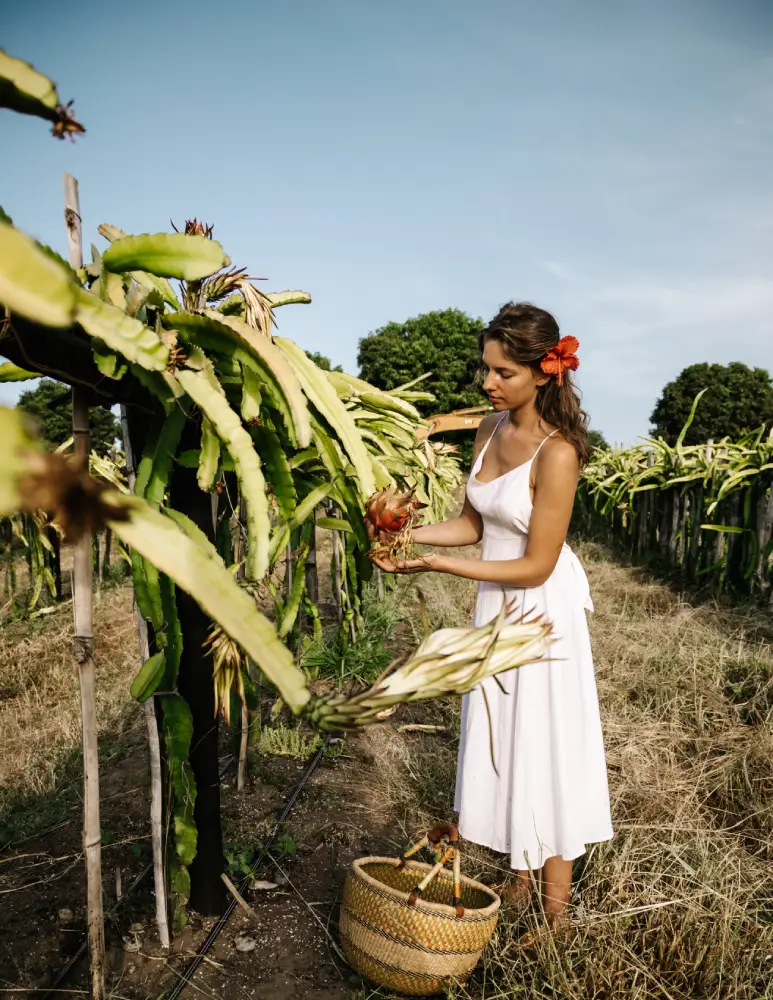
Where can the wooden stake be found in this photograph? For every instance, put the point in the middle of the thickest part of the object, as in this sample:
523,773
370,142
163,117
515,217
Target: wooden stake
338,589
246,722
764,529
238,897
154,744
288,571
243,741
676,507
106,556
310,567
82,598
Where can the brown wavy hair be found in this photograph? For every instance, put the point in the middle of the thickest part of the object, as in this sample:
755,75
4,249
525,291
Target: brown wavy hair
526,334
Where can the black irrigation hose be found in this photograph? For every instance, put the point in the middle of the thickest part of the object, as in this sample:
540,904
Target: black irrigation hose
215,932
67,968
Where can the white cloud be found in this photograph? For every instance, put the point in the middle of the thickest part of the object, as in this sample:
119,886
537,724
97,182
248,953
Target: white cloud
637,334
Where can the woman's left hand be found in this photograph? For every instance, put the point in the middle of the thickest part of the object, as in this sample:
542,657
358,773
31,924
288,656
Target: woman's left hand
423,564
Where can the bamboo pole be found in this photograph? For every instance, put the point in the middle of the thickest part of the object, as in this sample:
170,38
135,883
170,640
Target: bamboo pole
82,600
246,722
244,736
337,586
673,534
288,581
644,503
98,560
696,516
764,529
156,797
107,553
310,566
154,742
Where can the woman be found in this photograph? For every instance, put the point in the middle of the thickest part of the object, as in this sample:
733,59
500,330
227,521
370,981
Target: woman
544,796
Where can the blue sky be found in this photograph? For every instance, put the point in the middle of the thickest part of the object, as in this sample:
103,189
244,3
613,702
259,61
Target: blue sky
609,160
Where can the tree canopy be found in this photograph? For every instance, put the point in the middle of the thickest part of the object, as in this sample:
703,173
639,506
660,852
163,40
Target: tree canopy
50,404
597,440
323,362
444,342
739,399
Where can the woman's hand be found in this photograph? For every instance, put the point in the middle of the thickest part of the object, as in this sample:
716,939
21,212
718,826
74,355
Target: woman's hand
423,564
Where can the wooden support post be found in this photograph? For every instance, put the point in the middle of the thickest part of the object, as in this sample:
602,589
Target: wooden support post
337,586
720,548
107,553
288,571
56,561
673,535
312,579
154,742
696,518
684,541
646,505
734,547
244,736
82,600
764,529
98,560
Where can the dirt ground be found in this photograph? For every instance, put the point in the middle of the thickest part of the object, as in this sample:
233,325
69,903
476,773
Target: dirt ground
340,816
678,906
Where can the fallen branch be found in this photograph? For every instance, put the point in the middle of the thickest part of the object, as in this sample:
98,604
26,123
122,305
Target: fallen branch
238,897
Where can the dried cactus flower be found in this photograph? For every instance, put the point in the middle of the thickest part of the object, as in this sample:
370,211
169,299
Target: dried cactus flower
57,485
450,661
389,518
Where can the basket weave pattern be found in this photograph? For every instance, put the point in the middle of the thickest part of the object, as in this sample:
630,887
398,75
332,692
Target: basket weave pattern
417,949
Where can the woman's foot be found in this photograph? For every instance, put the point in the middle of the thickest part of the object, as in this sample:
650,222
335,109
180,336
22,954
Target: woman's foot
516,894
553,923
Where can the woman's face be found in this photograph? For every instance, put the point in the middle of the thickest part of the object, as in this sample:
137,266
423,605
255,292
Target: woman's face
508,385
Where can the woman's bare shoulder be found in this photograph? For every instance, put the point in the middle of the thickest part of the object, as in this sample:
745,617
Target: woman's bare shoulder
485,430
487,425
559,454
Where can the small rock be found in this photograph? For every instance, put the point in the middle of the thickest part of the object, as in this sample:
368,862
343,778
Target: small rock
260,884
243,942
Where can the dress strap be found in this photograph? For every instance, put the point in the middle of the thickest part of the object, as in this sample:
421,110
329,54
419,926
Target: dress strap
491,435
539,446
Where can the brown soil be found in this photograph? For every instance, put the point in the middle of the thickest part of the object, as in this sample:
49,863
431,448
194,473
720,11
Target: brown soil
341,815
677,905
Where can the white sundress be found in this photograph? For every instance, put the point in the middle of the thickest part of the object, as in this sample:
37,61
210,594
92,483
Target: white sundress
551,796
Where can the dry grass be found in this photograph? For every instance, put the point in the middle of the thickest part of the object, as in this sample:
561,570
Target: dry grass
40,700
680,903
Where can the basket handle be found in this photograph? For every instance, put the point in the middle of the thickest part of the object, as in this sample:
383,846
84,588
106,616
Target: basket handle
451,853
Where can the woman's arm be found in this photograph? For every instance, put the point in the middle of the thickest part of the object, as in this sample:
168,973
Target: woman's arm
467,529
555,486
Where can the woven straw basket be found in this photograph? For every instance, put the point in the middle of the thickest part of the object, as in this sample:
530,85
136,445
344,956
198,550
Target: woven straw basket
412,927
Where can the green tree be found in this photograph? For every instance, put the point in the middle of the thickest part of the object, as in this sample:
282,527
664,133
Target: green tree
444,343
597,440
739,400
50,404
323,362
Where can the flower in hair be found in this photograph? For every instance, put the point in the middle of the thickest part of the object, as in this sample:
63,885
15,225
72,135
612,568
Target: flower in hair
561,358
